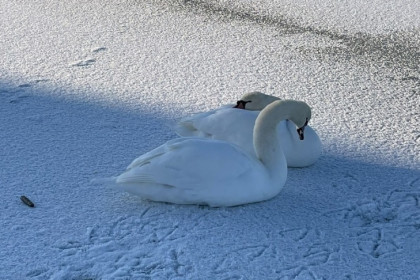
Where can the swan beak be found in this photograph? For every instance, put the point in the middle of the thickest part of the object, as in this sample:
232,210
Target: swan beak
240,104
300,132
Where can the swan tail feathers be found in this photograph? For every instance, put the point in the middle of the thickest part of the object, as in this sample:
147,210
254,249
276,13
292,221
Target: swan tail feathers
127,178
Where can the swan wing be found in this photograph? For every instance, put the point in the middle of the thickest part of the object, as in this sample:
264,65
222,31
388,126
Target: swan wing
228,124
155,153
218,123
191,125
190,170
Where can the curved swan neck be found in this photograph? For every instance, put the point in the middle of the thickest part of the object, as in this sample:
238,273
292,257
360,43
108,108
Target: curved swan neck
266,144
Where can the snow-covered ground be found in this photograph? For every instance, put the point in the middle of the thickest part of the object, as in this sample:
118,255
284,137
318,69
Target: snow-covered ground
87,86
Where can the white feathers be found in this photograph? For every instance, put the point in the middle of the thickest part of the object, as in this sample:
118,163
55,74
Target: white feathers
236,126
214,172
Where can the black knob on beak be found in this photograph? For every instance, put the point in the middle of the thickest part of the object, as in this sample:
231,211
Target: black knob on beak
301,130
240,104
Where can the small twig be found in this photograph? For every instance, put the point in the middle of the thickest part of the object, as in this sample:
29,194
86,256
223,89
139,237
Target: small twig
27,201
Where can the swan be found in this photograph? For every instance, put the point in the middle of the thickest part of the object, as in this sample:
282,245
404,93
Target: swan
217,173
236,126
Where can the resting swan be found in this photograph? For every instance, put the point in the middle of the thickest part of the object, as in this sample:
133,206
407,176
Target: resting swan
236,126
214,172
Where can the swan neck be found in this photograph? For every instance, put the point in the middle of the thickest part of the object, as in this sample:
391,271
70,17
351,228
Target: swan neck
266,142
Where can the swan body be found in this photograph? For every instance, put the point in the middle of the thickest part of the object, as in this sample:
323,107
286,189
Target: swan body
214,172
236,126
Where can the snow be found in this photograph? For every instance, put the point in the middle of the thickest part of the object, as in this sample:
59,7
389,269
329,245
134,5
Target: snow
87,86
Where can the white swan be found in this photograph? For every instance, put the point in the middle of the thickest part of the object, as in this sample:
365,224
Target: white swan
236,126
213,172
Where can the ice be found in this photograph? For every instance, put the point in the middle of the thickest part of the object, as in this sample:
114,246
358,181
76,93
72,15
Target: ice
87,87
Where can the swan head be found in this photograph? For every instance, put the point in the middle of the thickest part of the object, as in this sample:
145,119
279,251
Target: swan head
255,101
300,116
295,111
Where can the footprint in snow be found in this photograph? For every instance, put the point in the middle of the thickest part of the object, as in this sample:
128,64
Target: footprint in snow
84,62
18,94
88,60
377,242
97,50
381,224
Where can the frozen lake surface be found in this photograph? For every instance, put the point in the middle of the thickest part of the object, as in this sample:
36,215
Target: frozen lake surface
86,87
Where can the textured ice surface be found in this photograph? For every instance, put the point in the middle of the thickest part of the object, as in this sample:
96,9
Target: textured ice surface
87,87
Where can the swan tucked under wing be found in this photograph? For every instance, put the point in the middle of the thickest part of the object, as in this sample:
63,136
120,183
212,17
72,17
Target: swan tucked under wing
236,126
214,172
